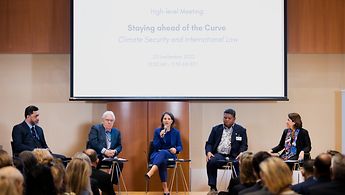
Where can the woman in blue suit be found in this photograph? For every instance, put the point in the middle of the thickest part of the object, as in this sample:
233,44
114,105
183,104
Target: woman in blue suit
166,144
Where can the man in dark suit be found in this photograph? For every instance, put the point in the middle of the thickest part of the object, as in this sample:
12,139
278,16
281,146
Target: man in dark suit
28,135
226,141
309,180
103,179
105,139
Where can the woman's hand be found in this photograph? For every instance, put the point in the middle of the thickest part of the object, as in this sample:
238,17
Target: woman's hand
162,133
301,156
172,150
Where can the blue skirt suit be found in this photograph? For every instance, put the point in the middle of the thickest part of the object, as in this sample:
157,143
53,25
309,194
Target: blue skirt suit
161,153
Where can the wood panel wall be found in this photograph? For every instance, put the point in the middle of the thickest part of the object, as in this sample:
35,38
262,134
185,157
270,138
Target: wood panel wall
34,26
316,26
43,26
136,121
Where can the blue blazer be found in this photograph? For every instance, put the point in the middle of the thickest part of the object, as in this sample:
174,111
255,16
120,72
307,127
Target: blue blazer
238,140
97,139
23,139
175,140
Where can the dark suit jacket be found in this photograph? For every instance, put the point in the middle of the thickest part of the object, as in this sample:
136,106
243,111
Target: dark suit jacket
303,188
23,139
256,187
97,139
302,144
237,145
333,187
103,181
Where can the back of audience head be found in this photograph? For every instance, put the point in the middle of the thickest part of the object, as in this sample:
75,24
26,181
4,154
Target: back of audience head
43,156
59,175
322,166
257,159
40,181
276,175
19,164
91,153
29,161
308,168
246,168
82,156
5,159
78,173
333,152
338,168
8,187
13,175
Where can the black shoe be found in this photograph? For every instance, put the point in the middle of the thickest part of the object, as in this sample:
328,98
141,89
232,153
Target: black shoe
166,193
147,177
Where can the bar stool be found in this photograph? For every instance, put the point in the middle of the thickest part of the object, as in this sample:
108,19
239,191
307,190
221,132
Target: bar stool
178,166
115,167
228,168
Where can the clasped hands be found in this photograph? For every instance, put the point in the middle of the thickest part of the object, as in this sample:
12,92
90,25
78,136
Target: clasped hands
110,153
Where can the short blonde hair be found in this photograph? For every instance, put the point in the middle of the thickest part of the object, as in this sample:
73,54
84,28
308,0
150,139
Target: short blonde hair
13,175
7,187
43,156
275,174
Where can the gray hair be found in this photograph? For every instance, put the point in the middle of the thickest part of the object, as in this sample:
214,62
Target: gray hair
111,113
82,156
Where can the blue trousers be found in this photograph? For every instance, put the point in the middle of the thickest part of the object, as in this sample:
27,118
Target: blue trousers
160,159
213,164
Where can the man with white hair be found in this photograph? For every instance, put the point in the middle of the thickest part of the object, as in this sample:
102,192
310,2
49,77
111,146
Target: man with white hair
105,139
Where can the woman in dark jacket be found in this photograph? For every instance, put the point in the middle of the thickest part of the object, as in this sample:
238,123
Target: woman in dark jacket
295,141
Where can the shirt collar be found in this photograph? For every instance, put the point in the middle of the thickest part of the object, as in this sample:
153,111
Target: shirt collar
30,126
232,126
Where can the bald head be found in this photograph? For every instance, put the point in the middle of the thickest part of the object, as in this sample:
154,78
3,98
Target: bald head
91,153
322,165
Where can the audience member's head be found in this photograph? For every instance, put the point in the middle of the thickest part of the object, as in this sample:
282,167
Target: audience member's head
91,153
19,164
5,159
333,152
78,173
59,175
308,168
7,187
322,166
247,175
40,181
257,159
43,156
29,161
14,176
276,175
338,168
82,156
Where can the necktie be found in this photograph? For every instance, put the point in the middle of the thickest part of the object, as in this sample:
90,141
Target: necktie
34,133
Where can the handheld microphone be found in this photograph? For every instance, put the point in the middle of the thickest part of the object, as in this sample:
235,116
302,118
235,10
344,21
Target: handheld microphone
165,130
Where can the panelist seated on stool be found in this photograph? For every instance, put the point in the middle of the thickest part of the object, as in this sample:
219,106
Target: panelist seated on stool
28,135
226,140
166,144
294,143
106,141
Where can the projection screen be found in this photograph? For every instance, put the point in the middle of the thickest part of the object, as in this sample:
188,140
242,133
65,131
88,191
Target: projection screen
195,49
